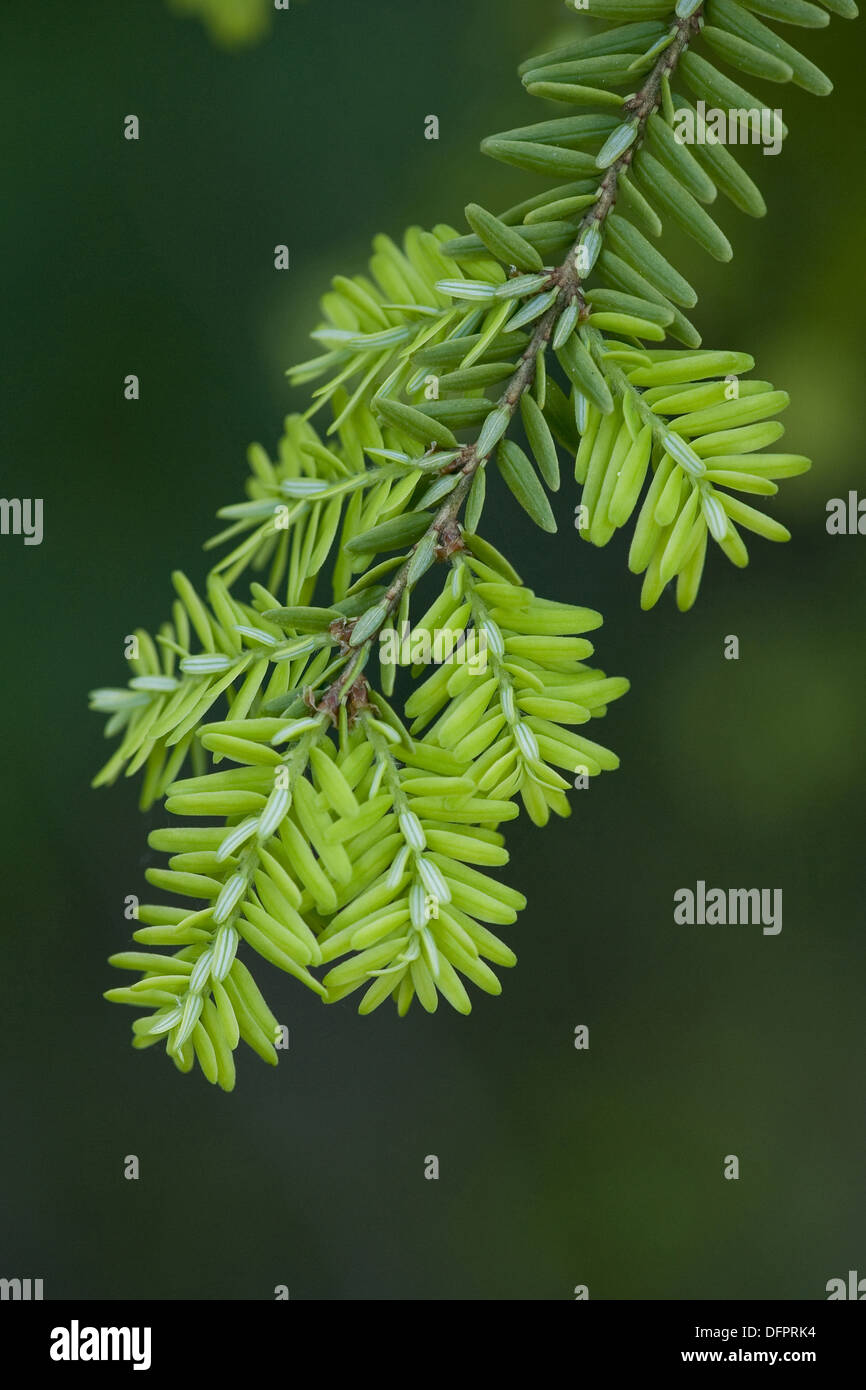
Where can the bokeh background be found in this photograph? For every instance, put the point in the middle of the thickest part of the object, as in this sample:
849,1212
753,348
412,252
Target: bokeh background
558,1167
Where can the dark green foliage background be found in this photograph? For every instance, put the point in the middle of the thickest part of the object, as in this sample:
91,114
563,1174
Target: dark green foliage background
558,1167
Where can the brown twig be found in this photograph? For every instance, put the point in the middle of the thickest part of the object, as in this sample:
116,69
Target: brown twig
569,278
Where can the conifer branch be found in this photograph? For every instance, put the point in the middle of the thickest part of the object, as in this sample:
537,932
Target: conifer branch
350,834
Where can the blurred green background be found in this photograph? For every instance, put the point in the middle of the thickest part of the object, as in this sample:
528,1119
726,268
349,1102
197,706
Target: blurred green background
558,1167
